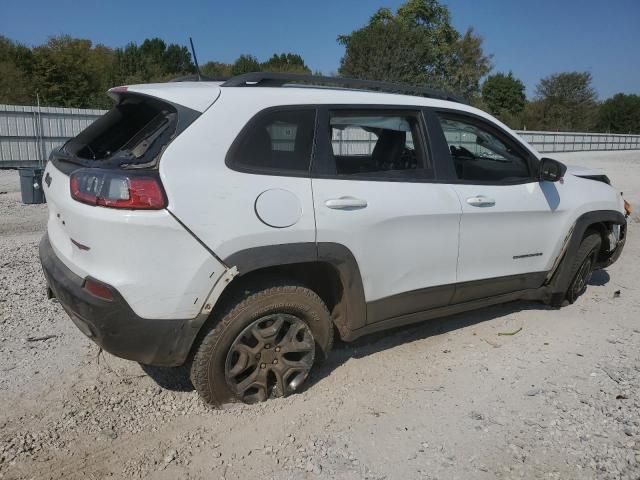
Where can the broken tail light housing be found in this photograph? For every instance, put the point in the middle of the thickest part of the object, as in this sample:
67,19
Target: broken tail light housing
117,189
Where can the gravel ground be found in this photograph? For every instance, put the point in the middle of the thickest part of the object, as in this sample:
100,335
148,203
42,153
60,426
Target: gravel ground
447,399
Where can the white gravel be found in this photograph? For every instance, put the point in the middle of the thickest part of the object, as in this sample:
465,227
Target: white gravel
447,399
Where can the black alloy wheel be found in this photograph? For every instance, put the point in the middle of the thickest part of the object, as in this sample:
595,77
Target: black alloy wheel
271,357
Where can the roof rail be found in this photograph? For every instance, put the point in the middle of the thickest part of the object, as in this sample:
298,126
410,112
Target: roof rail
271,79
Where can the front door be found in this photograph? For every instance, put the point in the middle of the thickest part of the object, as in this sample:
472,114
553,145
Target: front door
508,216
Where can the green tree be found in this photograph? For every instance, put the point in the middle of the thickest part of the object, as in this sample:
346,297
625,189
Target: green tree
416,45
70,72
405,55
531,117
216,69
467,65
177,60
568,101
620,114
245,64
503,95
152,61
153,50
16,84
285,62
128,65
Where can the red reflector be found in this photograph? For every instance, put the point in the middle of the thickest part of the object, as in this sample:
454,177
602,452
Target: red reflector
98,289
119,89
115,189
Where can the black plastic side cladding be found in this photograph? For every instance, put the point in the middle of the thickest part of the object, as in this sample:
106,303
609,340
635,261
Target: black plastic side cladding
256,258
560,280
352,303
355,307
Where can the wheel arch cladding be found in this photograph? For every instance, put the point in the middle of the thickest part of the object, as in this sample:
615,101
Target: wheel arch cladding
329,269
595,220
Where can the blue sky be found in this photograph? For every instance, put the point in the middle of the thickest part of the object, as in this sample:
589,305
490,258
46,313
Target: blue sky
533,39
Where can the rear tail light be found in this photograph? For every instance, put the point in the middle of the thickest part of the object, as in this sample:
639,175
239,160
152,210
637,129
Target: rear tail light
98,289
117,189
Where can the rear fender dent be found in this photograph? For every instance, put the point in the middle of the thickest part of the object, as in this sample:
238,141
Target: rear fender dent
218,288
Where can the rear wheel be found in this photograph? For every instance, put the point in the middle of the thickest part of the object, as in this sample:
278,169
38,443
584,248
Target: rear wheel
583,266
264,346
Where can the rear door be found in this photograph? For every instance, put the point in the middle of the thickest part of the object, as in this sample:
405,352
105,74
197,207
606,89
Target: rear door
510,220
374,193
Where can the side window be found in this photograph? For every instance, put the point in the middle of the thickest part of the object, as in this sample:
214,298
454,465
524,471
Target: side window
479,155
377,143
275,141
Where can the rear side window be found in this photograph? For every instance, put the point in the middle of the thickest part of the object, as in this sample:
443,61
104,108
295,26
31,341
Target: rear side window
277,141
377,144
132,133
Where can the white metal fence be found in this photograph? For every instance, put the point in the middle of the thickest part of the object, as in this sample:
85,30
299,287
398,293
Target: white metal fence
579,142
28,134
359,142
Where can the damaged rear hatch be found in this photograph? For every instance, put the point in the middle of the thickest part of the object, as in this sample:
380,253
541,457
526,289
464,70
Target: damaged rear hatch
142,123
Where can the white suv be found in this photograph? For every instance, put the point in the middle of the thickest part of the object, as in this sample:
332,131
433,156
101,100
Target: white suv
238,225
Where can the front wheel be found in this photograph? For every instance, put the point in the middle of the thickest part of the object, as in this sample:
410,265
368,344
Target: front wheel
264,346
583,266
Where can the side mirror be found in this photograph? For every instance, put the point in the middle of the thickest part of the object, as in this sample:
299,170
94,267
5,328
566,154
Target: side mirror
551,170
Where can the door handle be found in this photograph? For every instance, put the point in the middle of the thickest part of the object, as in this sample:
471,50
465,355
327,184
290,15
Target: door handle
481,201
346,203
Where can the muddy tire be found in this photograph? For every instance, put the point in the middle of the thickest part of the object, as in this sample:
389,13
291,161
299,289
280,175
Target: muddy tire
583,265
263,345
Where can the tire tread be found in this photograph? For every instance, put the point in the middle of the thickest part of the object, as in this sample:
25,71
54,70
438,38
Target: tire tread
213,335
590,241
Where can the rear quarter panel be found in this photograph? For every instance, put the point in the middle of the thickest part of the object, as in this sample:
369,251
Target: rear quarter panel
217,203
155,264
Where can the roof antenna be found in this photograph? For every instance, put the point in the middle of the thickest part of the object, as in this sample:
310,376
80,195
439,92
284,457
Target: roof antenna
195,59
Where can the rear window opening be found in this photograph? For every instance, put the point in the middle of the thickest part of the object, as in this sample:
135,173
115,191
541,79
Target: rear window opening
131,134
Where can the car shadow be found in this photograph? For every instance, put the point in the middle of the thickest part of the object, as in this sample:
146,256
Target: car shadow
551,195
388,339
177,378
599,278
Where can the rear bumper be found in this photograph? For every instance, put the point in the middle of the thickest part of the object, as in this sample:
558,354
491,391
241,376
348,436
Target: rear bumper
112,324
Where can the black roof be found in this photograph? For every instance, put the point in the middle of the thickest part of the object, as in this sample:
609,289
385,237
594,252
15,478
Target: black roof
272,79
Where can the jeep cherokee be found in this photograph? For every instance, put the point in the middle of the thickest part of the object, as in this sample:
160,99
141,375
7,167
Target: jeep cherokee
238,226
